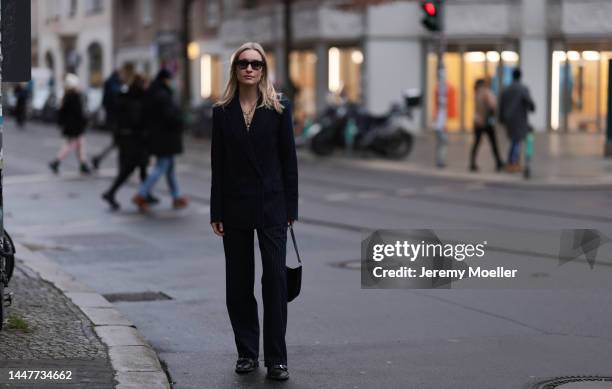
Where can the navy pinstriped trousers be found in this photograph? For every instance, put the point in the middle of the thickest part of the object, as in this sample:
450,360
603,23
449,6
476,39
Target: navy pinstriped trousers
238,245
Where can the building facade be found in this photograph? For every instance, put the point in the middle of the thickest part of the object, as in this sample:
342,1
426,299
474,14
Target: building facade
75,36
327,56
372,53
366,51
147,34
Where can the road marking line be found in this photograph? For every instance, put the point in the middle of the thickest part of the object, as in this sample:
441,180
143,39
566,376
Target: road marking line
475,186
371,194
338,196
70,176
436,189
405,192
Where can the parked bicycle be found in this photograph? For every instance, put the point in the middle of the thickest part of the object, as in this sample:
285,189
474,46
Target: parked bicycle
7,266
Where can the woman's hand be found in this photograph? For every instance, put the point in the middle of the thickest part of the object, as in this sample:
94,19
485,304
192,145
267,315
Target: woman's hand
218,228
290,222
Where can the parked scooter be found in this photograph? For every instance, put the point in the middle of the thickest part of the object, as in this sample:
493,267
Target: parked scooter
350,127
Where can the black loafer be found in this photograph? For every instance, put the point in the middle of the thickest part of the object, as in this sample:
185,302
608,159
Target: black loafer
246,365
278,373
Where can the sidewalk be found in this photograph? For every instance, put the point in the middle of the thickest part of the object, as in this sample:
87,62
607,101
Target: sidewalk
559,160
47,332
57,324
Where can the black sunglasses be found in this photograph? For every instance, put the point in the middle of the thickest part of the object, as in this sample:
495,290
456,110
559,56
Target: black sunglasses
255,65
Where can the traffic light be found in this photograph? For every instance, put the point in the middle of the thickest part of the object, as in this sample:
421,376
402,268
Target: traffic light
431,18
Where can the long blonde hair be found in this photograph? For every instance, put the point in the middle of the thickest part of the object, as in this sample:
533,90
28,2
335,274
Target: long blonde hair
270,99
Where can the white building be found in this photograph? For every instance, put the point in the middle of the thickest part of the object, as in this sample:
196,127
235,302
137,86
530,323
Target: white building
75,36
373,53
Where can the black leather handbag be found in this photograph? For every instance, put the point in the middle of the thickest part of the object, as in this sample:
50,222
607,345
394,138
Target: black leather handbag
294,275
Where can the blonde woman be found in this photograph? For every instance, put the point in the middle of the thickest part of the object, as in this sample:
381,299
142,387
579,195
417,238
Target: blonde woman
254,188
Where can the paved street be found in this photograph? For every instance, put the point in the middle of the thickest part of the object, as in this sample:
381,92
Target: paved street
338,336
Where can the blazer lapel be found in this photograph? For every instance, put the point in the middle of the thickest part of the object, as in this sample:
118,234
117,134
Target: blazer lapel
238,125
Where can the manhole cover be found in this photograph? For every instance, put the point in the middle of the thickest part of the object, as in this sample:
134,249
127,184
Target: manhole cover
585,382
137,296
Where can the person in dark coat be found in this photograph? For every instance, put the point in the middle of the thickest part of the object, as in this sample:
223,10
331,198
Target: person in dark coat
131,140
164,129
254,187
110,101
514,105
72,120
21,95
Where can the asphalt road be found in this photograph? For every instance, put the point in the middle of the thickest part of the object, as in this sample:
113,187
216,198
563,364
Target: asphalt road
339,336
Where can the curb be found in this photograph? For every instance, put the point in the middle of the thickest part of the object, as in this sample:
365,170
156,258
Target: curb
497,179
134,361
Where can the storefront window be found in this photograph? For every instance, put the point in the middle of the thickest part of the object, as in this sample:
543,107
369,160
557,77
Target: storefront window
463,70
210,77
475,69
302,66
271,67
95,65
606,56
452,61
345,72
579,90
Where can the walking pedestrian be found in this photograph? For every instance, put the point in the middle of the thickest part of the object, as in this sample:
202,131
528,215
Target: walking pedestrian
254,188
131,141
72,120
514,105
21,95
112,90
485,106
163,128
528,153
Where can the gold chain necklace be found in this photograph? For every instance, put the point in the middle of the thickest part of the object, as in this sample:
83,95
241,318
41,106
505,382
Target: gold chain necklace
248,116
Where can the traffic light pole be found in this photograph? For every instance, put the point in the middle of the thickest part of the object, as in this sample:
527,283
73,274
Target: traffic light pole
1,142
441,117
608,148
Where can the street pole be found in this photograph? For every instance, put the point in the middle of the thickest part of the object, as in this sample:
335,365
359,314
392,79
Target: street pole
1,142
608,150
441,117
185,40
288,42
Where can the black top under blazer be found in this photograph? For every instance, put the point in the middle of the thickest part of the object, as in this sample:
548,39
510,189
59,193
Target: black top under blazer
254,173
